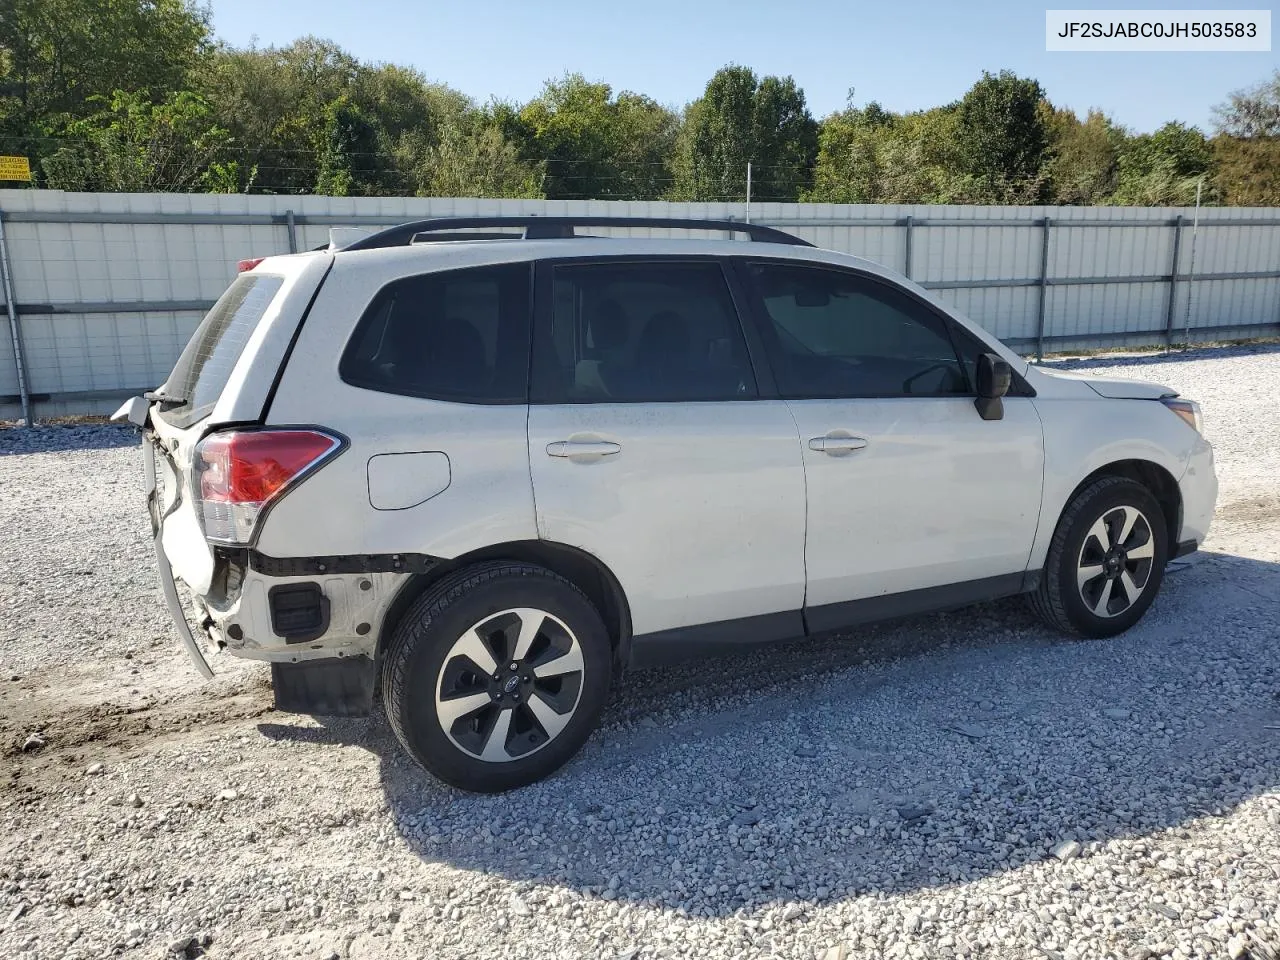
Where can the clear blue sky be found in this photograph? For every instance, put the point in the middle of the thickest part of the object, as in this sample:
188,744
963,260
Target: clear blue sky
907,54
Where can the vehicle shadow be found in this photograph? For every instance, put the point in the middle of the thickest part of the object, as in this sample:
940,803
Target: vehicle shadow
921,754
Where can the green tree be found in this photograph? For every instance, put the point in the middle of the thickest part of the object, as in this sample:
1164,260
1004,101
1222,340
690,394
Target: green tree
872,156
1163,168
1254,112
400,101
133,145
410,117
57,56
1082,167
921,162
285,106
741,119
851,155
644,135
568,127
275,102
596,146
477,162
1246,151
349,161
1246,170
1001,138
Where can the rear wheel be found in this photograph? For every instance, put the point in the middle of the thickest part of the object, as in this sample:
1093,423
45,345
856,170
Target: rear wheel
1106,560
496,676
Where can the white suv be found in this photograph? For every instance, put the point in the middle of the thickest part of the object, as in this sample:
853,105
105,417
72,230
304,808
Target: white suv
489,474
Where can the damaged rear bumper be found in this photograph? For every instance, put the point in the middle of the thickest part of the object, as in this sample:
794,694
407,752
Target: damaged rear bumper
167,583
292,610
277,610
316,620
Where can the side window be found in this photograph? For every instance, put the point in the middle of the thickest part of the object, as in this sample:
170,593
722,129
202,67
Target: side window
834,334
460,335
637,332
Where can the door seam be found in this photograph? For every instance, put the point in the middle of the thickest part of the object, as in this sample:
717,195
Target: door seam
1044,472
528,464
804,543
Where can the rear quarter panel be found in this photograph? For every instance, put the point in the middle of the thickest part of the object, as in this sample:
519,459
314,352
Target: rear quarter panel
489,496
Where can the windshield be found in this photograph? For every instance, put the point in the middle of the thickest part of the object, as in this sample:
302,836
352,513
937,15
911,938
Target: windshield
206,363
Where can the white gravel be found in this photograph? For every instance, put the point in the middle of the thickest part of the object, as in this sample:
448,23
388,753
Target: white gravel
967,785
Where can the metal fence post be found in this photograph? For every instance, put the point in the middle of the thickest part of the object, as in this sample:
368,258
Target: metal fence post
1173,283
15,331
906,270
1044,289
293,235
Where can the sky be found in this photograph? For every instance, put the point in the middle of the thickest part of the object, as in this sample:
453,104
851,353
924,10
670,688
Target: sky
906,54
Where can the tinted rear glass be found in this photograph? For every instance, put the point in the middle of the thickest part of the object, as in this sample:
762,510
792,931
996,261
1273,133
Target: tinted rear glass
643,332
460,335
205,366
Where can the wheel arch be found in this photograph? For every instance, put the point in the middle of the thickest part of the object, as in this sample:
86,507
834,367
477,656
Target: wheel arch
1058,595
1158,480
584,570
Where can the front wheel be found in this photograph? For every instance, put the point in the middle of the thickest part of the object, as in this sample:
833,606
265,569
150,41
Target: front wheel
1106,560
497,675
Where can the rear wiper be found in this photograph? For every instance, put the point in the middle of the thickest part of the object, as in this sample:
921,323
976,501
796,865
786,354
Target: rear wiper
164,399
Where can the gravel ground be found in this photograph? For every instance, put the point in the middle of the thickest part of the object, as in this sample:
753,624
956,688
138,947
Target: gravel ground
966,785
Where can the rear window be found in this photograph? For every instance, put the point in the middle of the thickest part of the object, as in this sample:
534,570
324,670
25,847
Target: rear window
460,335
205,366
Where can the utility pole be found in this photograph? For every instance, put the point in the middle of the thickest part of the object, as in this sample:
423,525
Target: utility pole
1191,272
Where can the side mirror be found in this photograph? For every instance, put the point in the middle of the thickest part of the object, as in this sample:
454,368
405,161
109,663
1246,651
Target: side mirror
994,378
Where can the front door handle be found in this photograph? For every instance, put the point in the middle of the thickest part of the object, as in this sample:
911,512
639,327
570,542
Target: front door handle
836,445
583,448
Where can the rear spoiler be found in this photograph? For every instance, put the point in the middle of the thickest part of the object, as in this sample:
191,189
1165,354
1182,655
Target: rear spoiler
340,237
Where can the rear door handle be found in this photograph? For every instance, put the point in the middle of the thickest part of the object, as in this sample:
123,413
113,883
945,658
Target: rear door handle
836,445
583,448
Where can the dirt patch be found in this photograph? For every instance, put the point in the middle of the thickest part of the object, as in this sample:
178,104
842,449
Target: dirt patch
84,713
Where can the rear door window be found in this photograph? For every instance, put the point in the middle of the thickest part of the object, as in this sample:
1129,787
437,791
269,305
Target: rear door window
460,335
204,367
642,332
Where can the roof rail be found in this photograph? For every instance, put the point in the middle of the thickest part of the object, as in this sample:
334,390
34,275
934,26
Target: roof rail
547,228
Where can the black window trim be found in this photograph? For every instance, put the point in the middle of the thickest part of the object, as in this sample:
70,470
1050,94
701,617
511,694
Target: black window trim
544,317
759,318
358,328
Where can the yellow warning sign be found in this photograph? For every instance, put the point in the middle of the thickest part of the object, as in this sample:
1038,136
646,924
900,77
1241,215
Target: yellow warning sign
15,168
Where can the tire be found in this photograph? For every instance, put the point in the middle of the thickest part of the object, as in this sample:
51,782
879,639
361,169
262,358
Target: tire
448,712
1089,578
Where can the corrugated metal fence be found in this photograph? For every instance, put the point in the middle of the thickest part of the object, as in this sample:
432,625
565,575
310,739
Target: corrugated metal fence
106,288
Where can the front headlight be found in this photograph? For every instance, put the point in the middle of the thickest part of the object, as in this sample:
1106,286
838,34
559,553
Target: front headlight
1188,410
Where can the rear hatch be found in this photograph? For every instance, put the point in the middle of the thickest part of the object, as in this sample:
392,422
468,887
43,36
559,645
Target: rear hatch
224,376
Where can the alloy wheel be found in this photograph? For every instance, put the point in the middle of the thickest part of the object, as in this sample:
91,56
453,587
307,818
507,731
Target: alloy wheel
509,685
1115,561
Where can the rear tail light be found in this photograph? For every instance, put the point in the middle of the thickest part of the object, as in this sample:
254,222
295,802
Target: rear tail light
238,474
249,264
